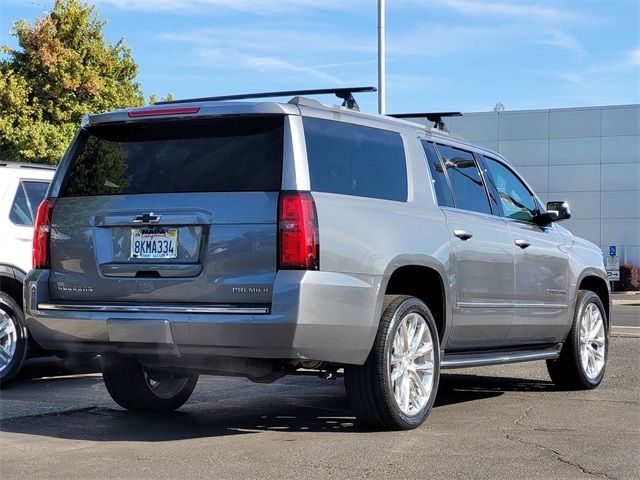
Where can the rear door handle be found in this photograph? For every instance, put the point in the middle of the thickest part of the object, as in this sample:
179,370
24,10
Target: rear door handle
522,243
463,234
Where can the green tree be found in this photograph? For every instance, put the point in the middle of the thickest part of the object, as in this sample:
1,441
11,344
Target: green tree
153,98
63,69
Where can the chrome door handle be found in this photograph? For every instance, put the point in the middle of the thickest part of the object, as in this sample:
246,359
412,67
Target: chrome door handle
522,243
463,234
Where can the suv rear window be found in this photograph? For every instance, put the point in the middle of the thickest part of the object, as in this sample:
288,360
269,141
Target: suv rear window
354,160
226,154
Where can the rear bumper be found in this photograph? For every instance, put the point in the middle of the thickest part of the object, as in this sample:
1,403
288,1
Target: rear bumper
314,315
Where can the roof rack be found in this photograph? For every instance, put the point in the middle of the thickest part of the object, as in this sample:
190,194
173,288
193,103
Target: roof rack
435,117
345,93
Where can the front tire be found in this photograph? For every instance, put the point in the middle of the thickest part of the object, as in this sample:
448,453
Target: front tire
583,358
13,339
396,387
135,387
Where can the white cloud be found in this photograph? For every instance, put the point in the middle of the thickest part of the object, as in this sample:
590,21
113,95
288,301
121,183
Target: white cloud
308,53
347,64
531,11
276,40
586,76
271,63
630,60
443,39
247,6
633,58
231,59
563,40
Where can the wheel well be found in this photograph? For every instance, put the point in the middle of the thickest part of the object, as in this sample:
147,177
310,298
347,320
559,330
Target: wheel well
12,287
424,283
599,287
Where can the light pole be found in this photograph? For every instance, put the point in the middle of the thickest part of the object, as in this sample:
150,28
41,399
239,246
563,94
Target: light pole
381,58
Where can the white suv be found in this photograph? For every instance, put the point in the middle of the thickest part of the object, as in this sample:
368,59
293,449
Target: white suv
22,188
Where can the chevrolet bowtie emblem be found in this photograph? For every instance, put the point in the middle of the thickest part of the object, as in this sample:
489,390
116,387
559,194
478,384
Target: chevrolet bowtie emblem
147,218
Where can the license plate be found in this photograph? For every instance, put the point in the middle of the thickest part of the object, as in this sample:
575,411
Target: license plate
154,243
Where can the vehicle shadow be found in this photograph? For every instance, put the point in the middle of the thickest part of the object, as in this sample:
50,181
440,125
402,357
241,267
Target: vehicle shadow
460,384
295,404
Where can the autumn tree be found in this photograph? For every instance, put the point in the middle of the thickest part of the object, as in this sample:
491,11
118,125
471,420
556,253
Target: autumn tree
62,69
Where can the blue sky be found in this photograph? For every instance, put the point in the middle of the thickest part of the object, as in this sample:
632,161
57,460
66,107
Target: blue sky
441,54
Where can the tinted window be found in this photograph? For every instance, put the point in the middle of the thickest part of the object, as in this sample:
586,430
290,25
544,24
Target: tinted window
466,182
438,175
35,193
354,160
228,154
516,200
25,204
20,212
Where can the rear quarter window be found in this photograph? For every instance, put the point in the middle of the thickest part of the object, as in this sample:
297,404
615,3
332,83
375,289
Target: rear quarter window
354,160
241,153
438,175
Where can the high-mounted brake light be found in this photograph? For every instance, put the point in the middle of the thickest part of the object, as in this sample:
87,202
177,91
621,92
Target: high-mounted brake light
41,235
158,112
298,232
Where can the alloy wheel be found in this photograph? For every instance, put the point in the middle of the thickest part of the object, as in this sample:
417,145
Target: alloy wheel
8,339
411,364
592,341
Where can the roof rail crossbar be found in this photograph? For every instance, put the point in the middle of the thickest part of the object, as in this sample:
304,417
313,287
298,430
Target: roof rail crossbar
435,117
345,93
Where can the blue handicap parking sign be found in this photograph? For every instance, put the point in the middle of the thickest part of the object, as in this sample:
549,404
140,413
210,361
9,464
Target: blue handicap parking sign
612,250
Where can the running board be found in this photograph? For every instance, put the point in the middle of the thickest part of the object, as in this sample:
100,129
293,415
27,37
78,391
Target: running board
479,359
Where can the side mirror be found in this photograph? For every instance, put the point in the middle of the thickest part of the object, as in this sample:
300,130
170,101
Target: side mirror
556,211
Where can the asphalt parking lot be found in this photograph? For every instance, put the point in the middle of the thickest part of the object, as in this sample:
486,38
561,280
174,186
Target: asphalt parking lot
492,422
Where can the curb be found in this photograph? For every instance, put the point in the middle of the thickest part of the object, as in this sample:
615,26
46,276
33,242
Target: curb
631,299
631,332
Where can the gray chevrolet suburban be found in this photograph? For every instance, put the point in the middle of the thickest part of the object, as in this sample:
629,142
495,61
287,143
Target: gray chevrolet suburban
260,239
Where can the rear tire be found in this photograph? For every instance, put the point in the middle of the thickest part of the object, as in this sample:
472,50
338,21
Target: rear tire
397,385
583,359
14,339
135,387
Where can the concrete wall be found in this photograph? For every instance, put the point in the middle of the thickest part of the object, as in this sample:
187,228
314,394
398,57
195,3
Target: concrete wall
587,156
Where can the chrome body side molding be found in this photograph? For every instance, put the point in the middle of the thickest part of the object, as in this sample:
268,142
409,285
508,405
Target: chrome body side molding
509,305
223,309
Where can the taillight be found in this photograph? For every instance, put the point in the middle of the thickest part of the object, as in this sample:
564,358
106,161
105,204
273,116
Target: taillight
157,112
41,234
298,232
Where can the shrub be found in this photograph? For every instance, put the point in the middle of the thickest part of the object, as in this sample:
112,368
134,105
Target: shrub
629,277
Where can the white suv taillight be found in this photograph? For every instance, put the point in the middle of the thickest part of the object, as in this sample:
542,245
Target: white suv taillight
298,247
41,235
